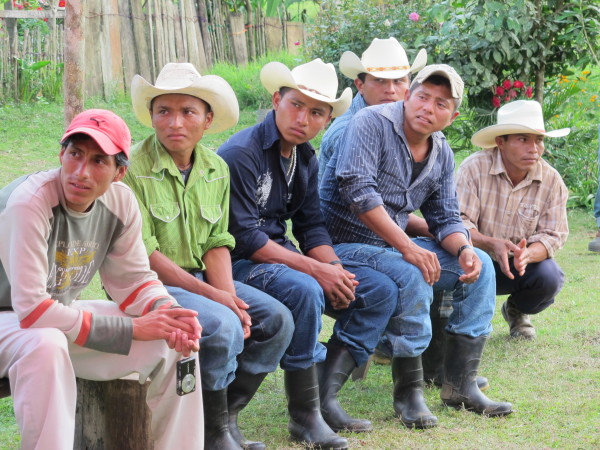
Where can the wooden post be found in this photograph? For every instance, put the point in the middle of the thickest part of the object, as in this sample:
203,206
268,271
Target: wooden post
238,38
130,52
93,31
74,80
206,39
273,30
295,33
250,30
141,40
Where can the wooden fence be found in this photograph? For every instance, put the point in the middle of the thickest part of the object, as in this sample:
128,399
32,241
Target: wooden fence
127,37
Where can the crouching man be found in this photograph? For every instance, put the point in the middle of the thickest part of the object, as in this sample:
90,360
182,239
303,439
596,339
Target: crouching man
60,227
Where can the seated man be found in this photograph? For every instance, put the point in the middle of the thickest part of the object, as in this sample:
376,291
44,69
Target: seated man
183,192
274,179
395,160
60,227
514,204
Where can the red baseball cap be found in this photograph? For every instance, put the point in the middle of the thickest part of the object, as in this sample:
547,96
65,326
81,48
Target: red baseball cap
106,128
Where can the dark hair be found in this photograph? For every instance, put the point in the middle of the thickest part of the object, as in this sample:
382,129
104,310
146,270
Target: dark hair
120,158
437,80
284,90
363,76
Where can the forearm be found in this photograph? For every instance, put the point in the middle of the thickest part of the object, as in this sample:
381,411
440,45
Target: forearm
218,270
453,242
537,252
417,226
482,241
379,221
172,275
273,253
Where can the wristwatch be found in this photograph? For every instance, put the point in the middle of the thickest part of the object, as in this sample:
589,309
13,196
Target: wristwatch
464,247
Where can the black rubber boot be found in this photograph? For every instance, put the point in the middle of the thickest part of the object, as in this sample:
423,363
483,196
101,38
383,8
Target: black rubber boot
433,356
409,403
306,423
239,393
461,361
216,421
333,373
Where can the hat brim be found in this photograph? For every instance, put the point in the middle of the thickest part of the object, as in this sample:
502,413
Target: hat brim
276,75
212,89
351,66
486,137
103,141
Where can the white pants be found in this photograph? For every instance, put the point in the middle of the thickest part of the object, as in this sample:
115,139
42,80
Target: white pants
42,365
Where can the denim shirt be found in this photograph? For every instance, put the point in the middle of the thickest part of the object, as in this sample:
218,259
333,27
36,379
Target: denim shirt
374,167
331,138
259,203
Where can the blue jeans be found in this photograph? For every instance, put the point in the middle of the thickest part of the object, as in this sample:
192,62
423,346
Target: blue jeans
302,295
409,331
222,346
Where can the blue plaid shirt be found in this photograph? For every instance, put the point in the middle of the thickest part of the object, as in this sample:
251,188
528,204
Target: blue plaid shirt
374,167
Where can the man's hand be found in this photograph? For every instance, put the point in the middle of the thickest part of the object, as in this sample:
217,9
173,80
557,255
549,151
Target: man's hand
237,305
471,265
521,257
337,283
502,249
425,260
178,327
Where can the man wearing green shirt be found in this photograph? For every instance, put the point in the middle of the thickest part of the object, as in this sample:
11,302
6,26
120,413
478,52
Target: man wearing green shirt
183,192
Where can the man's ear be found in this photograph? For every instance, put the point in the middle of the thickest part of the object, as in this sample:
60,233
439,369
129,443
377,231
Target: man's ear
61,154
276,100
359,85
209,119
454,116
121,171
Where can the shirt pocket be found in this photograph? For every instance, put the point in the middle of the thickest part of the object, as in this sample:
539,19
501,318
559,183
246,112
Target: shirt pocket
165,212
529,215
211,213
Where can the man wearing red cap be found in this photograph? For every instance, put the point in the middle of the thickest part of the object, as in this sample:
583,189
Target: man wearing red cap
60,227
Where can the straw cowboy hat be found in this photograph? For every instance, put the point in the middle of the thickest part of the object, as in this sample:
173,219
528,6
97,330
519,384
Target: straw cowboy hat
521,116
183,78
315,79
385,58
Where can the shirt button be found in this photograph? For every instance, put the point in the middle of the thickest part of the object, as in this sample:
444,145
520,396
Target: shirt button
168,217
201,172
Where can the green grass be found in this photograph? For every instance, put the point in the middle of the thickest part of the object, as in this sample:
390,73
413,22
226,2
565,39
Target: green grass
554,382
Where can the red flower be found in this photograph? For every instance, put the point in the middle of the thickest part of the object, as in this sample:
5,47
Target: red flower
61,4
529,92
512,93
39,8
507,84
518,84
496,101
507,99
499,90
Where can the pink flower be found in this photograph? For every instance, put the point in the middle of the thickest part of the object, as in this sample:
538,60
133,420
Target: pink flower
507,99
529,92
496,101
413,16
297,43
507,84
499,90
512,93
518,84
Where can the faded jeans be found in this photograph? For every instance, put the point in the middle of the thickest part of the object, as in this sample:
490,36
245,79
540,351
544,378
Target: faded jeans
409,331
222,346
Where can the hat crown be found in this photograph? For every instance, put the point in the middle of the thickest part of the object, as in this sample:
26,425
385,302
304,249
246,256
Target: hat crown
177,76
105,122
457,85
522,112
385,53
317,76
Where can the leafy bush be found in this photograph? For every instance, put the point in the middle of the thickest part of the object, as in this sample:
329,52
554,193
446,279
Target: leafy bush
245,81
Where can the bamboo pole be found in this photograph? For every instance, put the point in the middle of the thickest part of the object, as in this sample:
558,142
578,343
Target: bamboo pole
143,51
74,79
207,43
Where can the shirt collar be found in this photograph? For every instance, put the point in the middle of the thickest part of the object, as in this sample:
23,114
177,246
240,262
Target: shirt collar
162,159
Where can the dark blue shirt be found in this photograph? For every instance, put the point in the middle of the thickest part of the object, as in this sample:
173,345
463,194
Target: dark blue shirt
373,167
261,201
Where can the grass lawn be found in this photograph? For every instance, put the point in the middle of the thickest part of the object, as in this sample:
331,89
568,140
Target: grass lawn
553,383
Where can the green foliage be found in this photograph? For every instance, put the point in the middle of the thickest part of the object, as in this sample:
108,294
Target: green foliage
245,81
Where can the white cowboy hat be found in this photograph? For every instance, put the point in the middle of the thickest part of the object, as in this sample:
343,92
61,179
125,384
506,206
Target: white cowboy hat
385,58
315,79
457,86
183,78
520,116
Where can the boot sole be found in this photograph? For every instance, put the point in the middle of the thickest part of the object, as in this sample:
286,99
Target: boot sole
473,410
314,445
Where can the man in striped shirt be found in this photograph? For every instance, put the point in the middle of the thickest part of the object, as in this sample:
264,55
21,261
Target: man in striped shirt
514,204
395,160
